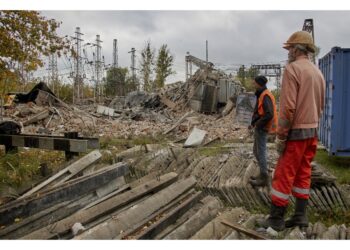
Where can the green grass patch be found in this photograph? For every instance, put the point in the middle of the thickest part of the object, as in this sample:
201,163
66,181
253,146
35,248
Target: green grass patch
329,218
16,169
338,166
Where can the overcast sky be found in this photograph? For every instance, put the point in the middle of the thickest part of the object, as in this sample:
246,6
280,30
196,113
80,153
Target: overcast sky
235,37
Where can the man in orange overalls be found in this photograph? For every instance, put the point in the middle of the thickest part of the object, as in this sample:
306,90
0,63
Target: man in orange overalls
301,103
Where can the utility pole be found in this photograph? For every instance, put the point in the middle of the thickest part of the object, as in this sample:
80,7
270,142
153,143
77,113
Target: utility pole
187,62
53,73
115,53
133,67
98,68
206,51
78,80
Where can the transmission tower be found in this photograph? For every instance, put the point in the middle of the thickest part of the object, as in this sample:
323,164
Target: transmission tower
53,73
309,27
78,79
98,68
115,53
271,70
133,67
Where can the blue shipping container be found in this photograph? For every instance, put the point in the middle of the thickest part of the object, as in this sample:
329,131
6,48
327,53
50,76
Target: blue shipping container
334,131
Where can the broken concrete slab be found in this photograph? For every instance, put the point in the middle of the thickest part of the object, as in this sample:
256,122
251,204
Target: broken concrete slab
68,172
91,213
38,117
211,207
30,205
123,221
169,217
215,229
105,110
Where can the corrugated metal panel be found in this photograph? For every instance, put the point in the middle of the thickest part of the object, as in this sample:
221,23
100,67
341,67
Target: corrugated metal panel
335,121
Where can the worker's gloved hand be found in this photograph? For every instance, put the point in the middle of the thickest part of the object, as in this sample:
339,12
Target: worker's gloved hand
280,145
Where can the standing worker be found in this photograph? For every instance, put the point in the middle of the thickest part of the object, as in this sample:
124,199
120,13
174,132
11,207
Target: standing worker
264,121
301,104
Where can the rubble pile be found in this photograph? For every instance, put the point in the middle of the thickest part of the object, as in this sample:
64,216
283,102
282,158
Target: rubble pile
226,175
115,203
137,114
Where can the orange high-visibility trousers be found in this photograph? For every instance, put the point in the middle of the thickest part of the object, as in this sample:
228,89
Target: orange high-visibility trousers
293,171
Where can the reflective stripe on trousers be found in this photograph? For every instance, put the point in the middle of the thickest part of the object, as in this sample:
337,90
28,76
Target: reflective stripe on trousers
293,171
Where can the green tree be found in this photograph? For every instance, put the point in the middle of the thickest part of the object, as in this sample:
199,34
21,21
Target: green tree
25,37
164,66
131,83
246,77
241,75
147,63
116,81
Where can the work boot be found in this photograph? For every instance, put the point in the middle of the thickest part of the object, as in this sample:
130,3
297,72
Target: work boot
261,181
275,220
299,218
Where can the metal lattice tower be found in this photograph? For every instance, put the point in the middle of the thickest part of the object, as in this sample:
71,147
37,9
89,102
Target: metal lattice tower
98,68
78,68
309,27
53,73
271,70
115,53
133,69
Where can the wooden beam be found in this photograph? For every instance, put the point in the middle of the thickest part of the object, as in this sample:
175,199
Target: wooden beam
103,208
70,190
248,232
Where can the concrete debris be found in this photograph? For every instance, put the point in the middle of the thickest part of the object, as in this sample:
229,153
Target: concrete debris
158,205
77,228
158,191
196,138
105,110
225,175
272,232
295,234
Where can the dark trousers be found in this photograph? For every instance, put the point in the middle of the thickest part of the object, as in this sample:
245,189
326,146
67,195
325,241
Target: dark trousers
259,149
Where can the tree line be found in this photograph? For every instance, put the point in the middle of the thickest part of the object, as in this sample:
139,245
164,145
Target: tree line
27,38
154,68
